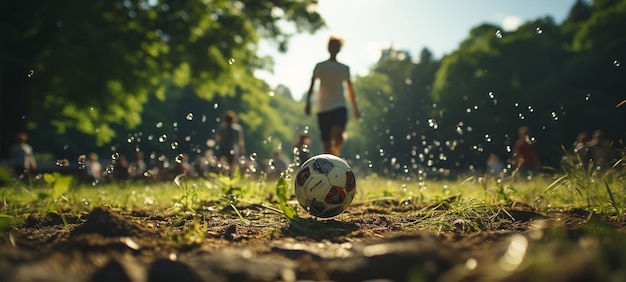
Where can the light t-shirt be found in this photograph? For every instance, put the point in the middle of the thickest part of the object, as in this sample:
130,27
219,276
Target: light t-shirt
331,92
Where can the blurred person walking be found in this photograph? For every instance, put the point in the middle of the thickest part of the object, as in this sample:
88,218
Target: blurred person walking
230,141
332,113
22,158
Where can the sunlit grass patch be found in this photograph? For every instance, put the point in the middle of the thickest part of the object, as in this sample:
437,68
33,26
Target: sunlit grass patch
467,203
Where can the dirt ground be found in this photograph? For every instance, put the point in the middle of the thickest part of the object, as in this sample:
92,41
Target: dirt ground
383,242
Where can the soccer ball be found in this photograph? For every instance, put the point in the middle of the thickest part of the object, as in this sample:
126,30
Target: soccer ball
325,185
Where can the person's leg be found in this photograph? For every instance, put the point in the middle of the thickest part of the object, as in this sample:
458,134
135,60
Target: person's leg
325,125
336,134
332,124
327,146
339,119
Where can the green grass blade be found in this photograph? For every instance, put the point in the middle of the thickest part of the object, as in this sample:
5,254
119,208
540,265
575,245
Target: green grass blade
613,202
281,193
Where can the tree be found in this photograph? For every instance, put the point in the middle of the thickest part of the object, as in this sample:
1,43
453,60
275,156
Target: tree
367,137
395,101
86,66
599,44
559,80
579,12
495,83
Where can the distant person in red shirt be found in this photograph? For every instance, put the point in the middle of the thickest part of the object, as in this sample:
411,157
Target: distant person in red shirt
524,152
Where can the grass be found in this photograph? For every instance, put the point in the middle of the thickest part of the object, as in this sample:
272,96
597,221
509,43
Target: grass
467,205
573,186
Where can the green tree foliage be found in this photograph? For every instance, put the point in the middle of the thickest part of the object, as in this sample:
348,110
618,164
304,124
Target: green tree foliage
597,68
366,138
497,81
578,13
144,75
394,99
290,114
559,79
186,123
90,66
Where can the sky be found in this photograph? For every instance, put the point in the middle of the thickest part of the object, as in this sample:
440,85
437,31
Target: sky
369,26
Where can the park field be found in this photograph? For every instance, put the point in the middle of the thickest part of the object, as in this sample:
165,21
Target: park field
563,226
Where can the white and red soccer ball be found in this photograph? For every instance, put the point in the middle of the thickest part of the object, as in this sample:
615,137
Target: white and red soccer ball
325,185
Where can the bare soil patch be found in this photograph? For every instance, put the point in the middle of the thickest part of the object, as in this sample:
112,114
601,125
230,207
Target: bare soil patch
385,241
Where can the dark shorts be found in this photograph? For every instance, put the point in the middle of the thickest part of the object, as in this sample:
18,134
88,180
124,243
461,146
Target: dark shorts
330,119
